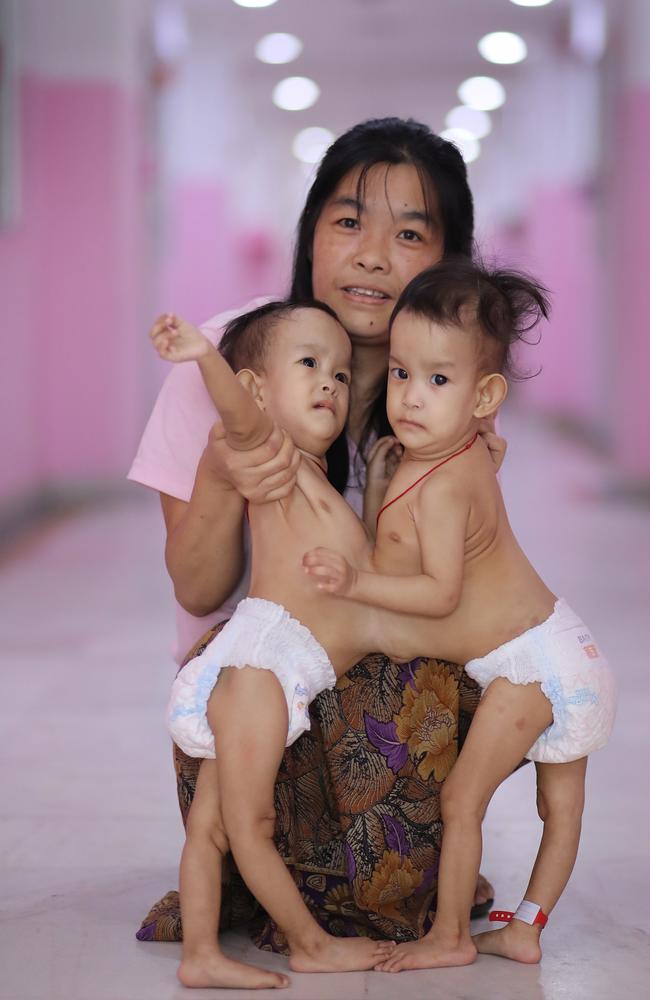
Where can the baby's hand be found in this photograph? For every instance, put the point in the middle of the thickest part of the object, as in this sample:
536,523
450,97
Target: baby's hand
331,571
176,340
496,444
383,460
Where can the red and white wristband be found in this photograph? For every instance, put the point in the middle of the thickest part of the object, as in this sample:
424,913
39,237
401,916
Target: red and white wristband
529,912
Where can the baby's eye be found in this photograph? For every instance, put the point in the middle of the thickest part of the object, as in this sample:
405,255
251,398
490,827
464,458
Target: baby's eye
439,379
342,377
399,373
309,362
411,236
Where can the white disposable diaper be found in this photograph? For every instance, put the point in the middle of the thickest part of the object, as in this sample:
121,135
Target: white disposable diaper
260,634
562,655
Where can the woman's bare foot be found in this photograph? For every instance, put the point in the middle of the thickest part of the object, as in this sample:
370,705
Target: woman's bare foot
333,954
517,940
429,953
215,970
484,891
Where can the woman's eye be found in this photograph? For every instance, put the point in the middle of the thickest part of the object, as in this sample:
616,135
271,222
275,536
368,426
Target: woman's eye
411,236
348,223
399,373
342,377
439,379
309,362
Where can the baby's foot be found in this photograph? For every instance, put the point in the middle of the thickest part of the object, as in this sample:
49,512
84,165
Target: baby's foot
429,953
218,971
517,940
333,954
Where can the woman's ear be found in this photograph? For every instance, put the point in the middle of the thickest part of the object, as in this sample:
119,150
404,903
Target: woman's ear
254,384
490,392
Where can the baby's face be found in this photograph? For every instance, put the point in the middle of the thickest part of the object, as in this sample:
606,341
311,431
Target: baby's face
433,378
306,384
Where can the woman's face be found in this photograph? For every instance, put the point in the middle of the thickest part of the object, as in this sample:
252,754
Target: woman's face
365,253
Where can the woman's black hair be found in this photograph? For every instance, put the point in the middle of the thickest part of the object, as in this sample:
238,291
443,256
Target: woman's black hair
442,171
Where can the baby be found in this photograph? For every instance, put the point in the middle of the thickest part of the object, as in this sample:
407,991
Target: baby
285,643
445,550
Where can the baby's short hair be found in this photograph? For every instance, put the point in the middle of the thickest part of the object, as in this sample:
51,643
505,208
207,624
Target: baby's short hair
246,339
505,305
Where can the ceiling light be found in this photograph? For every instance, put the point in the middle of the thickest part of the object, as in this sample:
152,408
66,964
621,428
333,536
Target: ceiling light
310,144
254,3
278,48
482,92
468,145
531,3
295,93
476,122
503,47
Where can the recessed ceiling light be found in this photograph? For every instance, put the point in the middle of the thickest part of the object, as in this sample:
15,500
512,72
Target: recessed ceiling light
503,47
310,144
254,3
278,48
469,147
295,93
482,92
476,122
531,3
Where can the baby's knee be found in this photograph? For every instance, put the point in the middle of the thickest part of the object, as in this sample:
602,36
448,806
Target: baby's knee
251,824
458,805
212,830
557,803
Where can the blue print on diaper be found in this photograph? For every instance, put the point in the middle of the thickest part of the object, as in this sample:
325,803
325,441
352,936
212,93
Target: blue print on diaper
584,696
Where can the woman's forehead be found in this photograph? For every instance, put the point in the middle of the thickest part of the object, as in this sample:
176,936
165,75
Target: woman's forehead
396,187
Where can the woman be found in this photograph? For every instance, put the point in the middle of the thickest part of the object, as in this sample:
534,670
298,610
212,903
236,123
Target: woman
358,797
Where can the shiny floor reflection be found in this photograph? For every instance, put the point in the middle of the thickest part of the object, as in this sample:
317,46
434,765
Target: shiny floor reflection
90,834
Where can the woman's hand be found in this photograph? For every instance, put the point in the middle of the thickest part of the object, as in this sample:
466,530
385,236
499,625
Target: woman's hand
330,571
383,460
260,474
496,445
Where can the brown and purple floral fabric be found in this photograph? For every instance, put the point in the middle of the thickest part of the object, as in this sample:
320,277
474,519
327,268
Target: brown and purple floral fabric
357,801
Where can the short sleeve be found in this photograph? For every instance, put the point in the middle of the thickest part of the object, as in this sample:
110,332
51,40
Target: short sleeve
179,425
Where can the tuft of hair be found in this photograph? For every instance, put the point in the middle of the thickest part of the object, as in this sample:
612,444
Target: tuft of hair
504,304
247,338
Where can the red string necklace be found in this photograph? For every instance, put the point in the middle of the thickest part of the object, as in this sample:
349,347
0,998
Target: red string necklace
408,489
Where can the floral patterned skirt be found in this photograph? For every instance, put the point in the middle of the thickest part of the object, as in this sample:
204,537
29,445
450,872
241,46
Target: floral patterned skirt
357,801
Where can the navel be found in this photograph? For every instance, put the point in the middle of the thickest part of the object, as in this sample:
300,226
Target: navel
394,537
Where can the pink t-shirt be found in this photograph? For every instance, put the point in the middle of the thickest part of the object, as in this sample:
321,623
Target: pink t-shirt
168,457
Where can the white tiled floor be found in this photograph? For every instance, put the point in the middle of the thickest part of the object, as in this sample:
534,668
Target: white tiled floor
88,841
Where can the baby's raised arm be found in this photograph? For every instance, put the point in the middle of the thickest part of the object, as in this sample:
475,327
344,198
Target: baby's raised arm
246,426
441,513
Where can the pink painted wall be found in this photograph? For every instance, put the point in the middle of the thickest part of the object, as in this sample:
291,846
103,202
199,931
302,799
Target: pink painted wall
557,242
212,262
69,288
629,399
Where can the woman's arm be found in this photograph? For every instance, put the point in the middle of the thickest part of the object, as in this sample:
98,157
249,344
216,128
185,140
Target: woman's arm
204,550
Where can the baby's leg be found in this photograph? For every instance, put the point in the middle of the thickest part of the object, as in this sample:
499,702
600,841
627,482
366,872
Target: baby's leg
507,722
248,715
560,801
203,963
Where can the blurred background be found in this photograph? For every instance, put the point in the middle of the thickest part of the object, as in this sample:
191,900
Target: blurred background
155,155
145,165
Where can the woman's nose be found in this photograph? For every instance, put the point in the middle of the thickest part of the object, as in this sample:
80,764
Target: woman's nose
371,255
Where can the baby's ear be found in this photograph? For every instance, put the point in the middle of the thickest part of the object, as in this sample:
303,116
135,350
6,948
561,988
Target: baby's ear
254,383
490,393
